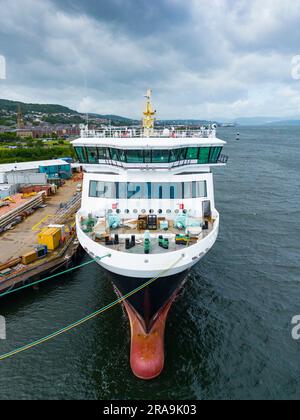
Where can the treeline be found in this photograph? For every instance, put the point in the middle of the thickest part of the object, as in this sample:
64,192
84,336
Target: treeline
45,108
9,137
35,153
61,119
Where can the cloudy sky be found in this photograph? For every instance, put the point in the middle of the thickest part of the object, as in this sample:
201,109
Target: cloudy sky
203,59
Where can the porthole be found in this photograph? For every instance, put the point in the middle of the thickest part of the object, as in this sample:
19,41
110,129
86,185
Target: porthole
126,211
135,211
109,211
118,211
176,211
160,211
169,211
151,211
143,211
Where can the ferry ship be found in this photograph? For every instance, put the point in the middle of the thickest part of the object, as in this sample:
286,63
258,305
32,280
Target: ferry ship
148,202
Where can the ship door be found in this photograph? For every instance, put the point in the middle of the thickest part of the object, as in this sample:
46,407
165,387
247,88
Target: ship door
206,209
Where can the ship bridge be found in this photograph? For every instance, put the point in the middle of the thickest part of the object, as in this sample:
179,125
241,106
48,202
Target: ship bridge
157,150
148,148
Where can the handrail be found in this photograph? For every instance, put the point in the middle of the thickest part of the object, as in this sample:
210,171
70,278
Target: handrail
223,159
125,132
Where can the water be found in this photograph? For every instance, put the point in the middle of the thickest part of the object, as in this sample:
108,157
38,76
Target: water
229,333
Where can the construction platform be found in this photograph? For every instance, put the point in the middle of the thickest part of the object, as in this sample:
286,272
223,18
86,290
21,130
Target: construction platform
60,209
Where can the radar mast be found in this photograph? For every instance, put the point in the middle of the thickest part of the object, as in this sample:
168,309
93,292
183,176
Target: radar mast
148,119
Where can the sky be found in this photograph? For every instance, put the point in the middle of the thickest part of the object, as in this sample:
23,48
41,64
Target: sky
216,59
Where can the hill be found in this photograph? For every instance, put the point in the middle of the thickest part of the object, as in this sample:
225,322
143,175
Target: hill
255,121
11,106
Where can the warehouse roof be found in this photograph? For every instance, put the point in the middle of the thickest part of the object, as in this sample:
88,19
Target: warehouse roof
26,166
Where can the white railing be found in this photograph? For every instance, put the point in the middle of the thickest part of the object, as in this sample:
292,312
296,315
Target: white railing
126,132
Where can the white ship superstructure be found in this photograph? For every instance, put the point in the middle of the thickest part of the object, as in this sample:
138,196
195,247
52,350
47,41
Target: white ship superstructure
148,201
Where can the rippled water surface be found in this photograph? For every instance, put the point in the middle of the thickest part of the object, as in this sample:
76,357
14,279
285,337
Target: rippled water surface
229,333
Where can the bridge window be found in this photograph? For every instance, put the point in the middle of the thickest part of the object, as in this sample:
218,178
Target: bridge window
192,153
114,154
103,153
204,155
81,155
147,190
135,156
214,154
160,156
92,154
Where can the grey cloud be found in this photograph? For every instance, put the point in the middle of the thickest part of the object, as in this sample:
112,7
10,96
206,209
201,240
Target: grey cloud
212,60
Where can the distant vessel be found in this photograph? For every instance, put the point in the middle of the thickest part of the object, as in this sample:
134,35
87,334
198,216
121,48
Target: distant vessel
148,200
228,125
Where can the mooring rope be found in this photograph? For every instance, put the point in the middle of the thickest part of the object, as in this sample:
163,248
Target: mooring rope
51,277
88,317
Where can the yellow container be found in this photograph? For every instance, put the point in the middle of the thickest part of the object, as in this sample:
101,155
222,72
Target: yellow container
29,258
50,237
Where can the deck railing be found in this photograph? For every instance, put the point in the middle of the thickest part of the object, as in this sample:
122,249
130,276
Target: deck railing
187,162
223,159
122,132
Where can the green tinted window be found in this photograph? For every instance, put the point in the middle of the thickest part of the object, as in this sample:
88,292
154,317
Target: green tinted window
103,153
135,156
114,154
173,155
160,156
147,156
182,153
92,154
192,153
122,155
81,154
214,154
204,155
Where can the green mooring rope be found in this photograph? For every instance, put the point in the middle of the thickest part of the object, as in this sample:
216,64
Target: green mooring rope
51,277
86,318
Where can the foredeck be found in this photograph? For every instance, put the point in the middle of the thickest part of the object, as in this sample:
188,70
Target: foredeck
196,230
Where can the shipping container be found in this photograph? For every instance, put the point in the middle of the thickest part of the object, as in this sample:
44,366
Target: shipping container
62,229
36,189
26,178
50,237
41,250
57,171
29,258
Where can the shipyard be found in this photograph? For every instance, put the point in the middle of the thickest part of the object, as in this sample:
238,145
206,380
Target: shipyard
37,224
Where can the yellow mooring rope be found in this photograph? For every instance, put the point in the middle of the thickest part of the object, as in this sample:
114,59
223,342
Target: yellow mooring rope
86,318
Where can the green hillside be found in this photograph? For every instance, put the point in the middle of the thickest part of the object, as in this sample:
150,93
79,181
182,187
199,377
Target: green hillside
27,108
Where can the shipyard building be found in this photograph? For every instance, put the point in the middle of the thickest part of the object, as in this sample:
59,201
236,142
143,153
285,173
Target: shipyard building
13,176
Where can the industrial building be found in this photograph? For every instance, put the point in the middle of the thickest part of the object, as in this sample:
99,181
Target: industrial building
15,175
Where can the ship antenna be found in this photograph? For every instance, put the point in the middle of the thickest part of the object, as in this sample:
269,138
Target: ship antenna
148,119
